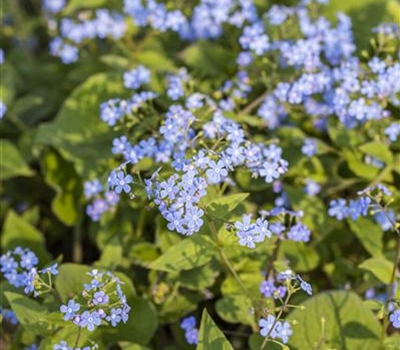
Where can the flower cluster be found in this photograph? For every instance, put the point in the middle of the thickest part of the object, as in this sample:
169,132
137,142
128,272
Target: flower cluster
395,318
346,88
53,6
19,267
102,301
275,329
100,203
64,346
278,288
178,196
206,21
188,324
367,203
341,208
3,107
104,24
8,316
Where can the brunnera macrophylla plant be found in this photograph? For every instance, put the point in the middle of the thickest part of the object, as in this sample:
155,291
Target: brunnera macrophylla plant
250,194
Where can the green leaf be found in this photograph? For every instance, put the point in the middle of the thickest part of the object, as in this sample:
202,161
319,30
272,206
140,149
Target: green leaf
200,277
111,255
379,267
378,150
131,346
358,166
141,325
209,59
392,342
74,5
187,254
338,319
77,132
30,313
369,234
143,253
11,163
221,207
235,308
62,177
69,334
18,232
70,279
302,257
210,336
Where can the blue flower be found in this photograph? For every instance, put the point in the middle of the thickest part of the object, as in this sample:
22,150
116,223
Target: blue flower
90,320
176,221
114,317
188,323
192,336
53,6
269,171
395,319
266,326
283,331
309,147
304,285
3,109
62,346
267,288
312,188
216,172
338,208
121,181
70,309
193,218
261,229
135,78
299,233
100,298
29,260
92,188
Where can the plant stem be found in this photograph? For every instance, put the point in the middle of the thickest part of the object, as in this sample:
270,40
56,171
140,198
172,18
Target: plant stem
77,252
277,318
77,338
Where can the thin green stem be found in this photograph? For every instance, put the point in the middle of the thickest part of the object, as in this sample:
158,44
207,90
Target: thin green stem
277,318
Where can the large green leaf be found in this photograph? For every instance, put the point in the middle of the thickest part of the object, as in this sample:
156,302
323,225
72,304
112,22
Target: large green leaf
141,325
11,162
378,150
78,132
210,336
209,59
235,308
31,315
61,176
71,277
69,333
18,232
369,234
221,207
335,320
380,267
187,254
302,257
